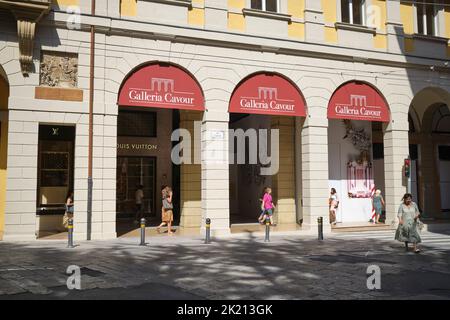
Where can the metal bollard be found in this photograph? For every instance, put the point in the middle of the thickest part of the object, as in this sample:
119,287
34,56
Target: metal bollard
208,231
142,232
267,239
320,227
70,234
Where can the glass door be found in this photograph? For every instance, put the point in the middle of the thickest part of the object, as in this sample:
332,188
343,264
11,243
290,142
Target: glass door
132,172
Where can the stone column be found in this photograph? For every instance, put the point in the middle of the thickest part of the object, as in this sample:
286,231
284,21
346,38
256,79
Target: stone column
216,14
315,172
314,21
284,181
394,27
190,185
215,171
396,149
429,176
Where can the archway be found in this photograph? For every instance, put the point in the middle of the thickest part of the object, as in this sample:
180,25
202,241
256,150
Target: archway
266,116
356,113
430,140
4,94
154,100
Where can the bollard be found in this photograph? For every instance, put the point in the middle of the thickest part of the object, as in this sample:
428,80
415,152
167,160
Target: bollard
208,231
70,234
320,227
142,232
267,239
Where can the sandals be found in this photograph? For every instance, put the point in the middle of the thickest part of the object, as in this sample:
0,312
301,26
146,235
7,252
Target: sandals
158,229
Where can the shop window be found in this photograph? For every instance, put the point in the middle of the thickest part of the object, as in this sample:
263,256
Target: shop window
136,124
427,18
353,11
265,5
55,166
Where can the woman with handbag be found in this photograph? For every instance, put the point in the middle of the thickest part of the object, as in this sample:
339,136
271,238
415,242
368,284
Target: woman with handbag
408,228
68,209
333,203
166,210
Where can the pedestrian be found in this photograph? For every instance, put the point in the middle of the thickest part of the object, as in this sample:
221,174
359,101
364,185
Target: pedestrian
333,203
69,209
378,204
263,210
166,210
139,197
408,228
268,205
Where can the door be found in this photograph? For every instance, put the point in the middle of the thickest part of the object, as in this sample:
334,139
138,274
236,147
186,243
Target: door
132,172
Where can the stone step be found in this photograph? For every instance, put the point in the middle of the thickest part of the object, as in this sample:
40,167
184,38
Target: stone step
359,227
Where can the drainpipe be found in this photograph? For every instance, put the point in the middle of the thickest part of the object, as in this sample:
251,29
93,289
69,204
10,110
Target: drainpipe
91,126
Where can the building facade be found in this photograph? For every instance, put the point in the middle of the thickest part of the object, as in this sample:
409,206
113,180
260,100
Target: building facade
352,87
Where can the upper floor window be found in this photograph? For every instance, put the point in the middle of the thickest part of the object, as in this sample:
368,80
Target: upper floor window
353,11
427,18
265,5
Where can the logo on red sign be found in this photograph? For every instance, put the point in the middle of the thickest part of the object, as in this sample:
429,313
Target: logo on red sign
161,87
356,101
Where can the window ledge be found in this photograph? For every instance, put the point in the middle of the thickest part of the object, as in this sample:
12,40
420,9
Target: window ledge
355,27
430,38
182,3
267,14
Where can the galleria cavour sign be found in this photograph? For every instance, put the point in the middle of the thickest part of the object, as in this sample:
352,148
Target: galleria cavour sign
267,93
161,86
358,101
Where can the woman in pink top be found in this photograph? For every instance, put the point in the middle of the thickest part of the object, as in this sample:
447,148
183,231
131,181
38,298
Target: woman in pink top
268,204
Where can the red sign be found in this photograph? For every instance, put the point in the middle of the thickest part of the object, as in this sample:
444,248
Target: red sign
358,101
268,94
161,86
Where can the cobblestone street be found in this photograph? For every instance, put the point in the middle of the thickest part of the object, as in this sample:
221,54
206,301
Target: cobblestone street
238,267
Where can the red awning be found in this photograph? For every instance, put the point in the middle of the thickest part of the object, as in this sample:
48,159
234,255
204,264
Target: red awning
268,94
358,101
162,86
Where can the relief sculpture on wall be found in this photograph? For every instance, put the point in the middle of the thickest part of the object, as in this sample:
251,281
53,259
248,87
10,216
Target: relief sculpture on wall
59,70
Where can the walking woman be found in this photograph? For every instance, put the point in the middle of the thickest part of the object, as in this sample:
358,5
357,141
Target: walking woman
408,215
69,209
268,205
167,210
333,203
378,204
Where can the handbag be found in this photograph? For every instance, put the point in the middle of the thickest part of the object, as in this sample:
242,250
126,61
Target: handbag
167,205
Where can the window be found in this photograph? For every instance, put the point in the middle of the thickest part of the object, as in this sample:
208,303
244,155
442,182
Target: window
427,18
353,11
136,124
265,5
55,165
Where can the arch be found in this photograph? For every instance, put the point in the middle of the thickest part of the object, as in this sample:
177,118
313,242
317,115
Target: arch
358,100
267,93
425,98
161,85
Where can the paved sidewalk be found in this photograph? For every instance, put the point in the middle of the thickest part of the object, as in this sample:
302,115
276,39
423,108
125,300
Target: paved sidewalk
291,266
